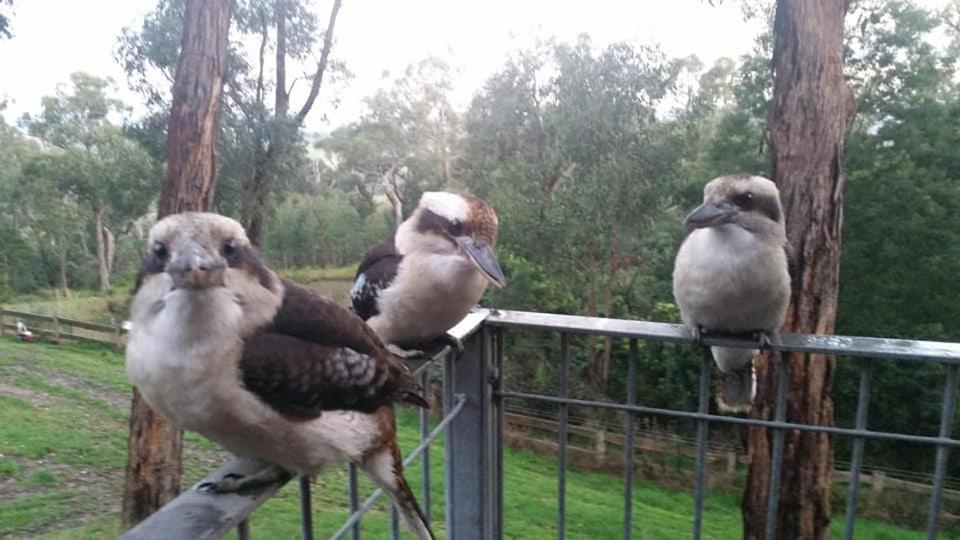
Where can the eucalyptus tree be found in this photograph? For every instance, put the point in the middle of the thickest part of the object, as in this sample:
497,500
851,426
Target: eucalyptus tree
96,164
261,148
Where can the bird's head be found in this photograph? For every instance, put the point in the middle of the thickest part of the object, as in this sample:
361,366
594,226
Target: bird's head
446,222
201,250
752,202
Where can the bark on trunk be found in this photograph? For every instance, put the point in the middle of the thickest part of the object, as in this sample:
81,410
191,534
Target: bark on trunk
103,271
195,112
154,448
64,284
812,107
389,182
110,241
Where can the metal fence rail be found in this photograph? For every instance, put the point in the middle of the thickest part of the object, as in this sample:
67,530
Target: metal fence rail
867,348
474,398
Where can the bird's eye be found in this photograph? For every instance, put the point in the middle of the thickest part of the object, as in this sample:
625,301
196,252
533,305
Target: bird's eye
229,248
456,227
743,199
160,251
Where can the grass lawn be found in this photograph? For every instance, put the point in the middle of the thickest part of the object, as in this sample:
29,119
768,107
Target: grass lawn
63,424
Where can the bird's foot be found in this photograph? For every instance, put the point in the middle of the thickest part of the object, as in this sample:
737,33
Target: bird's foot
764,339
408,354
697,333
232,482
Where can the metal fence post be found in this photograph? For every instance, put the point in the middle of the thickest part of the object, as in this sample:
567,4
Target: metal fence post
473,491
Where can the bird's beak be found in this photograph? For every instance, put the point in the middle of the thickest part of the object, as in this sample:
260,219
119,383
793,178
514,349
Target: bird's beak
482,255
194,268
710,214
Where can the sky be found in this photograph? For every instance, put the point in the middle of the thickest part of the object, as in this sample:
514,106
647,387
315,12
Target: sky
53,38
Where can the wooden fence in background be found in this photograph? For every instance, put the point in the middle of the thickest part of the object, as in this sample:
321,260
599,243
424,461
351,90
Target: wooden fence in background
602,447
58,328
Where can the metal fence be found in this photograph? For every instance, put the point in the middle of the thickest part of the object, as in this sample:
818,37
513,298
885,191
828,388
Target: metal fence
474,397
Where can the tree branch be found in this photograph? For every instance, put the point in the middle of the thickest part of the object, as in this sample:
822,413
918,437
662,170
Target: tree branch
282,98
263,47
321,66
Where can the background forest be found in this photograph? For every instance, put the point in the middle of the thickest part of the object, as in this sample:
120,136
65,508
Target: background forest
590,155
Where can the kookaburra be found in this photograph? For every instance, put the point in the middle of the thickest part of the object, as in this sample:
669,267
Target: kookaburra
731,275
414,287
268,369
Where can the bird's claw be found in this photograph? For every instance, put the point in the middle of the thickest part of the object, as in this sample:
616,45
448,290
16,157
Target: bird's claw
408,354
764,339
233,482
697,333
228,484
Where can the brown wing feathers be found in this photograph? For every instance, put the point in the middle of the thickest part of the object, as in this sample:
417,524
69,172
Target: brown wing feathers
301,379
314,317
318,356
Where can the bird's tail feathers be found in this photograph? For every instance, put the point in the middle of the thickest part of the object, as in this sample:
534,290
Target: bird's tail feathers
410,511
728,358
385,468
736,389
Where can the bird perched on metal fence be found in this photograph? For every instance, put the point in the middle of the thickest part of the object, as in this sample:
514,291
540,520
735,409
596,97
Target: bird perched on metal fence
414,287
418,284
268,369
731,275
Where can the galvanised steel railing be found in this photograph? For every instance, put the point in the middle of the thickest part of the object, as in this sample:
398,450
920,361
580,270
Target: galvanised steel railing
474,395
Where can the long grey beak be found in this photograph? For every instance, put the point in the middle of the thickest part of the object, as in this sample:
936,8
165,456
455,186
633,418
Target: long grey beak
194,268
710,214
482,255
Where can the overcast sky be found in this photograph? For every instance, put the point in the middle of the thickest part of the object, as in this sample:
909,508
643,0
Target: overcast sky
53,38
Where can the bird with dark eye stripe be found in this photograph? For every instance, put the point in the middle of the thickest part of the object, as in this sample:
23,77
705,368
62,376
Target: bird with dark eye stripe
412,288
418,284
731,275
266,368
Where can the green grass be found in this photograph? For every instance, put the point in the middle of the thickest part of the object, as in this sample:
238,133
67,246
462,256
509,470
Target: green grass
9,467
42,477
63,413
313,273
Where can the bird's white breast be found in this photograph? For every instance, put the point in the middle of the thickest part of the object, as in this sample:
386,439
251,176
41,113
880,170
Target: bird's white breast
431,293
729,279
183,353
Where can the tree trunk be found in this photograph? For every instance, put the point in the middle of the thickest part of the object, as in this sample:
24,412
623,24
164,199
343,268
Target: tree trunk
64,284
103,271
446,164
812,107
195,112
592,363
154,448
110,241
258,189
613,266
389,182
